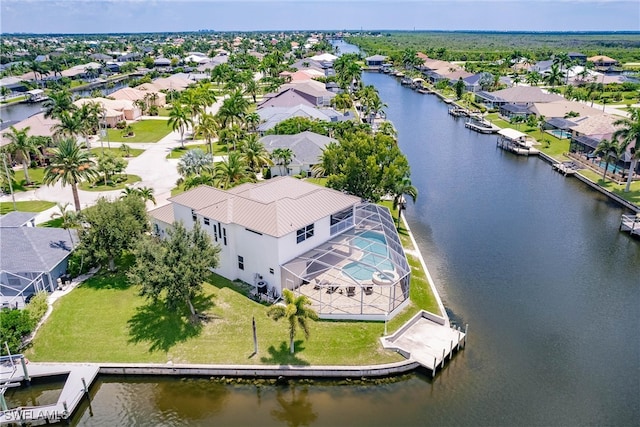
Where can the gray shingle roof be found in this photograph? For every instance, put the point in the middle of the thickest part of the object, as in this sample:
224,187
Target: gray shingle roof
33,249
16,219
306,146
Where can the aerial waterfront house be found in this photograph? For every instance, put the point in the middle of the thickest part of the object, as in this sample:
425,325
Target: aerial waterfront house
344,254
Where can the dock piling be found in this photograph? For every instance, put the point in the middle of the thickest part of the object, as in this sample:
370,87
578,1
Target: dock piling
24,369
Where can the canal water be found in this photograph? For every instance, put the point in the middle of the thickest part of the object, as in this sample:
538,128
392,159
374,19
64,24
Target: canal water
531,260
23,110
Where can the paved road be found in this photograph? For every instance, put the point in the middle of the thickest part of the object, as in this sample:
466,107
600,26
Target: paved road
152,166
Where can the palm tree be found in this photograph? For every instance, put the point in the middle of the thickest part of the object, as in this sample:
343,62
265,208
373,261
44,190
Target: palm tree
630,133
254,153
232,171
70,218
252,120
59,101
402,188
70,166
195,162
207,128
555,76
22,143
179,119
233,109
196,181
145,193
609,150
252,88
386,128
70,126
282,157
297,311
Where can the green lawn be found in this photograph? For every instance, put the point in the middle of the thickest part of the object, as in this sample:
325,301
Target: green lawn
218,150
36,175
13,100
106,320
100,186
144,130
26,206
632,196
133,152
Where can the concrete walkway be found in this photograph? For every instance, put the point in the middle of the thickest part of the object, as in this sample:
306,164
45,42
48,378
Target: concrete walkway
152,166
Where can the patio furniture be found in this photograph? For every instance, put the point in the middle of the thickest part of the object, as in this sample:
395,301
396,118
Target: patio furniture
368,290
351,291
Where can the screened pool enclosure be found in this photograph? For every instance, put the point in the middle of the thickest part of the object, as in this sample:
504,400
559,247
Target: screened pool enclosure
360,273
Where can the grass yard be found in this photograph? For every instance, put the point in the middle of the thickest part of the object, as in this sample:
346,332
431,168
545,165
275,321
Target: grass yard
144,130
36,175
632,196
218,150
106,320
133,152
26,206
100,186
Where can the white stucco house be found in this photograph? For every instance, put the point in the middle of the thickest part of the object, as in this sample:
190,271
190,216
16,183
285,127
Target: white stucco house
344,254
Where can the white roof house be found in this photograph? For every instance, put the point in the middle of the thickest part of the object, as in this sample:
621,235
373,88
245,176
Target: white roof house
343,254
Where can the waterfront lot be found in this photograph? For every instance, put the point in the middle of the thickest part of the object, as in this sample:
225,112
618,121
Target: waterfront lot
105,320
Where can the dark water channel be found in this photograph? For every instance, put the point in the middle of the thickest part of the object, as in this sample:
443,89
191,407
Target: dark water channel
533,261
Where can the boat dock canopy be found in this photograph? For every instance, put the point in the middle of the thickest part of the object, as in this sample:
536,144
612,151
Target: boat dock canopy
512,134
35,92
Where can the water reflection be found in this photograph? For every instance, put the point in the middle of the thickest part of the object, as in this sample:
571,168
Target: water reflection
295,408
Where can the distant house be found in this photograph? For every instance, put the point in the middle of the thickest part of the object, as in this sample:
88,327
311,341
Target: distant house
101,57
307,150
604,64
520,95
130,57
579,58
38,126
162,62
15,84
375,60
271,116
31,258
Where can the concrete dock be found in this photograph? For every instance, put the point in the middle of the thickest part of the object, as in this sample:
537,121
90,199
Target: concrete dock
79,377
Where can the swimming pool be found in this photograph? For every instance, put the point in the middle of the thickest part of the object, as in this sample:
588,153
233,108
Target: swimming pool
559,133
376,254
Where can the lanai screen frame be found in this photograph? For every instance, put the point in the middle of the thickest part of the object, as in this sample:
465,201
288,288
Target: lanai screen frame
320,273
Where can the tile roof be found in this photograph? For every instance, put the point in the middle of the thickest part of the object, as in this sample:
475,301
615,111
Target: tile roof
275,207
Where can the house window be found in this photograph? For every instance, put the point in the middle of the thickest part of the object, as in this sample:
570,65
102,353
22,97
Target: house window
240,262
193,215
304,233
206,221
224,236
341,221
271,271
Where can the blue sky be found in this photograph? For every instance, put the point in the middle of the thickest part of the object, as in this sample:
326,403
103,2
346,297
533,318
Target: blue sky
104,16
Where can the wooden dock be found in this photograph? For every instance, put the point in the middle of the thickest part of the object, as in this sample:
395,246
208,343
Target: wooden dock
630,224
79,379
566,168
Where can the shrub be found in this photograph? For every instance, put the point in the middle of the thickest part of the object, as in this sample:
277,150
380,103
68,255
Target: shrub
37,307
121,124
15,325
